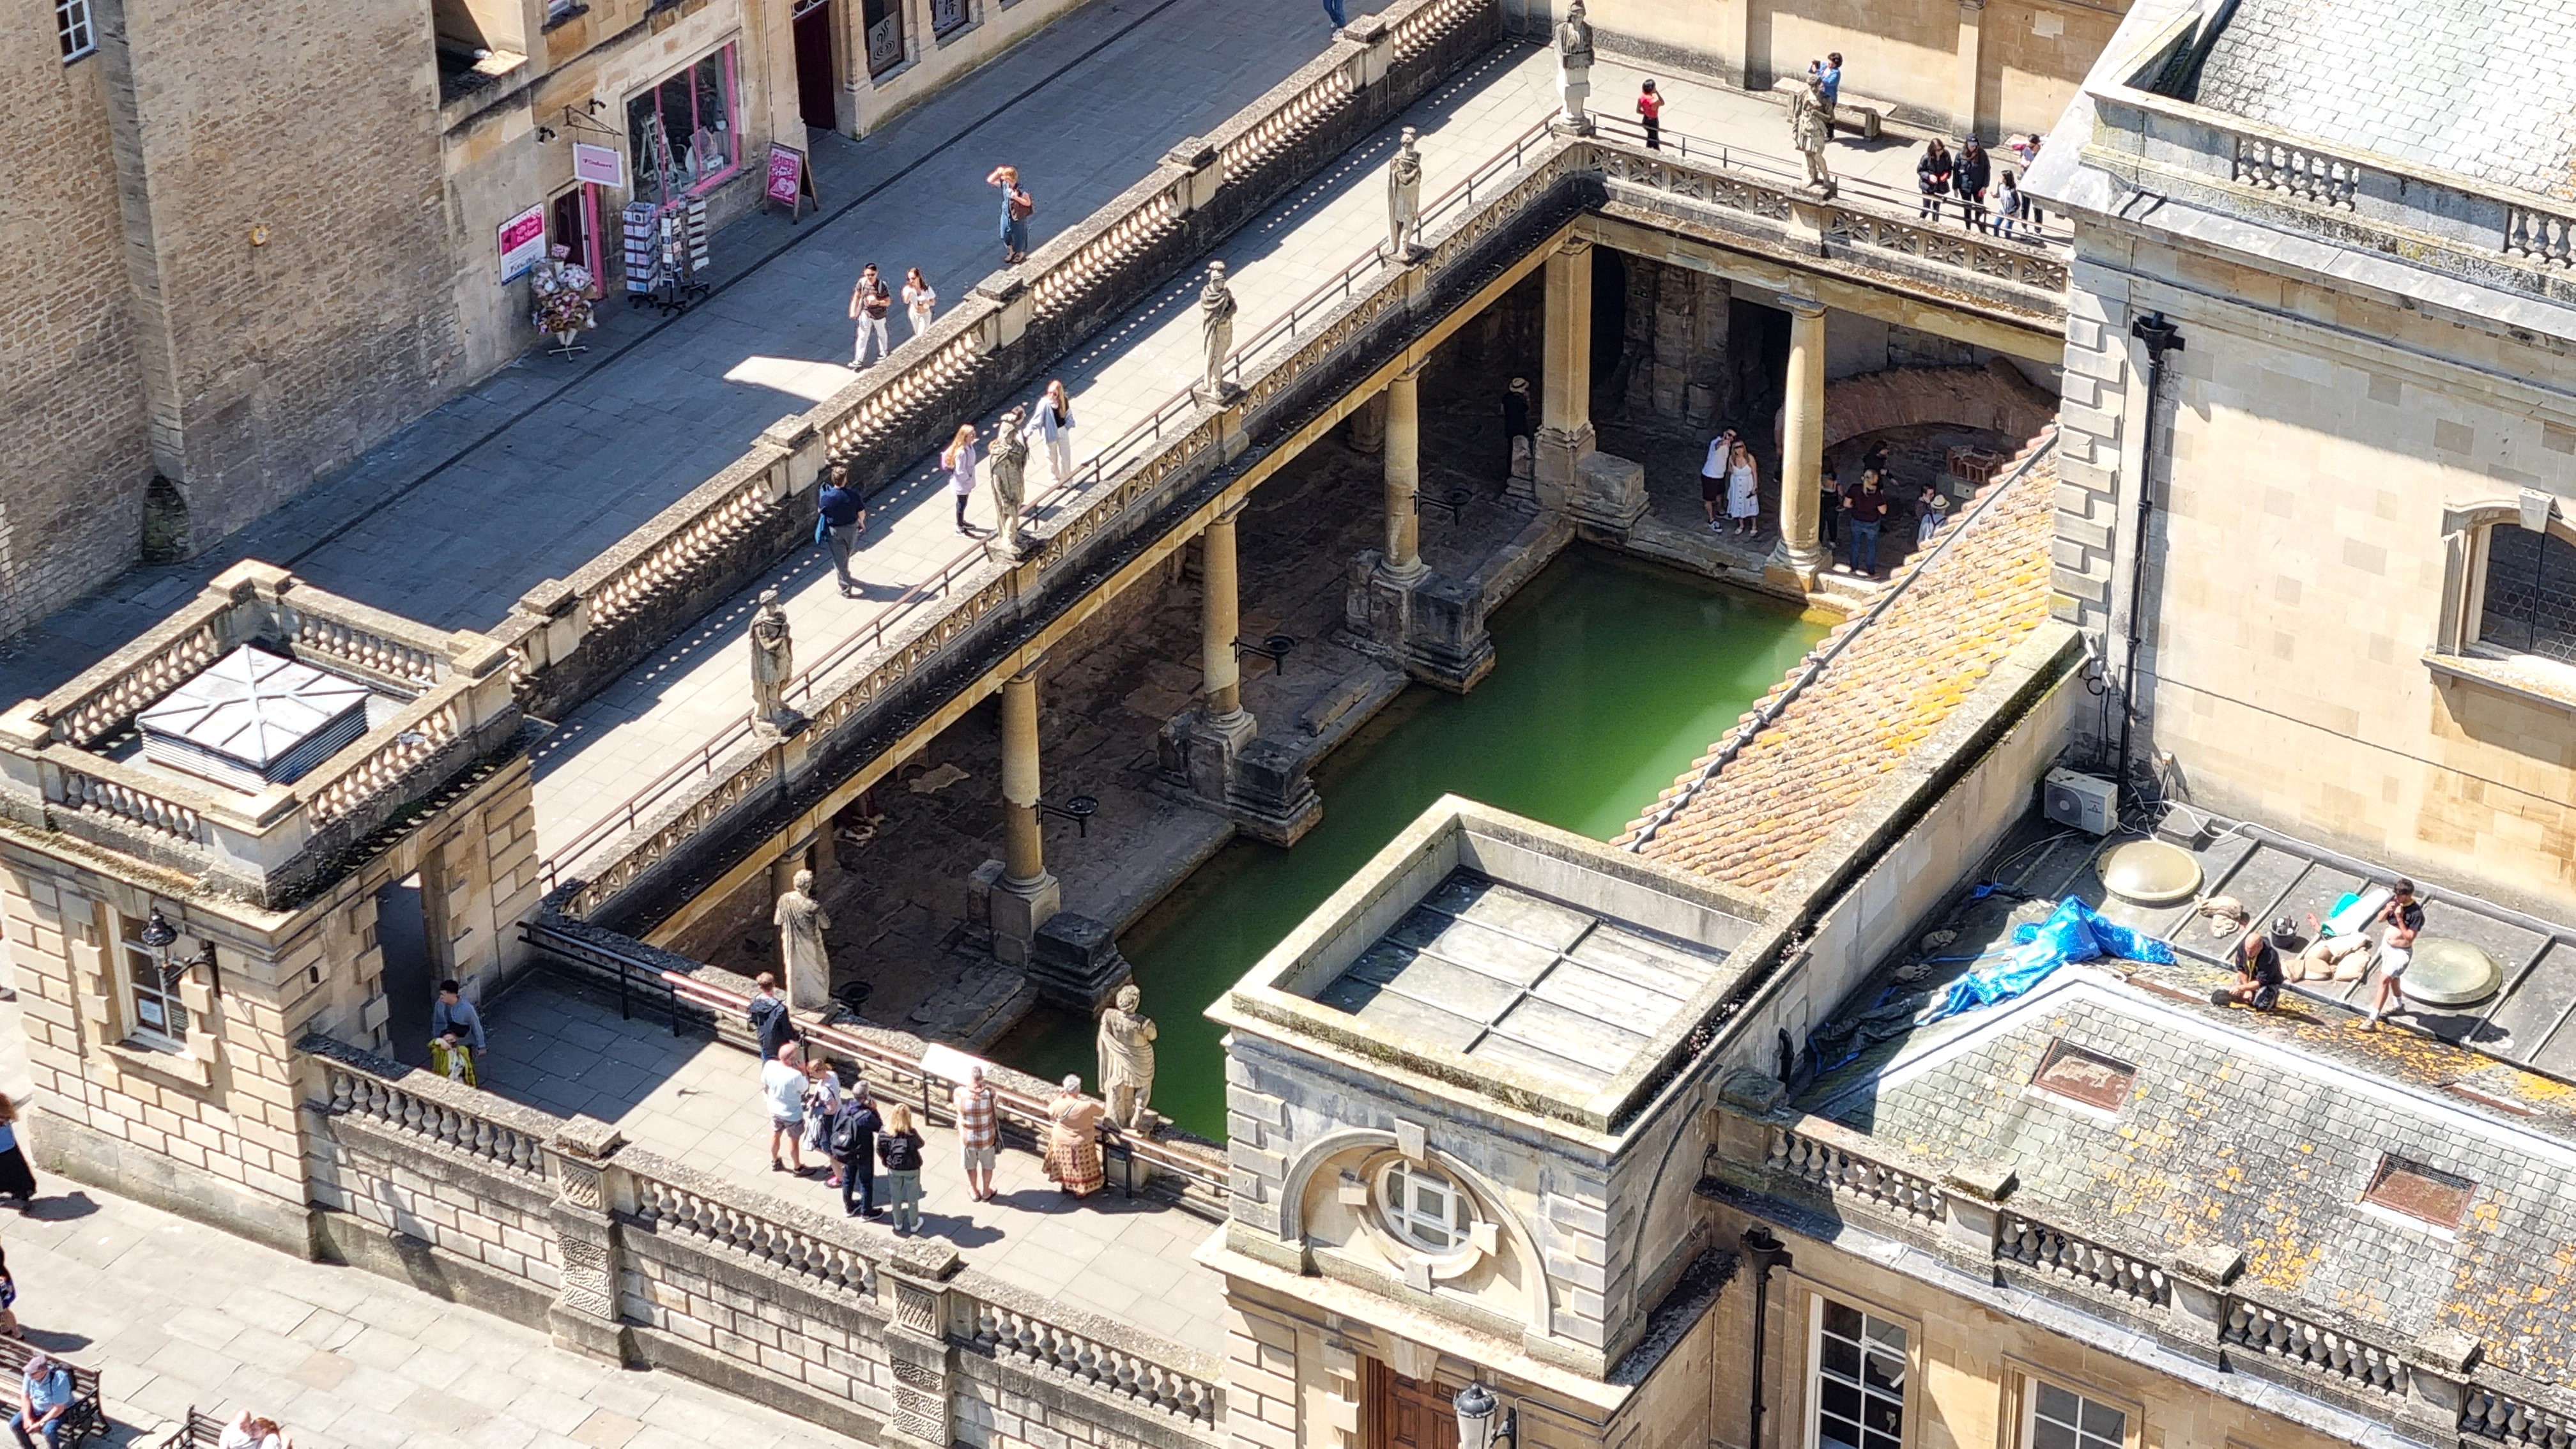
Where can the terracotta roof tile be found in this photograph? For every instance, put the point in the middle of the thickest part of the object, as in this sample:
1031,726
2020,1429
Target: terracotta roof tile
1793,784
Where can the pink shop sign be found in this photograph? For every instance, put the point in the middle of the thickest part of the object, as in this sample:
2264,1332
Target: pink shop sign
523,242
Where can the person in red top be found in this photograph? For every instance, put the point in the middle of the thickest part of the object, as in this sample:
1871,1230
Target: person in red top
1650,109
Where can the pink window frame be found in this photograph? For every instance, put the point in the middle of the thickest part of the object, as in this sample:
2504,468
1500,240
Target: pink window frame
733,122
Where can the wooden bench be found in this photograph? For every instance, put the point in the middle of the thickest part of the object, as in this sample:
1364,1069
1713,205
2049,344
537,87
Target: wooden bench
86,1418
200,1430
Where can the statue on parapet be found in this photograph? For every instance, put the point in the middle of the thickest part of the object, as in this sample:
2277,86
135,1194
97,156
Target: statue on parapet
801,923
1404,197
1009,466
1574,69
1216,330
773,662
1811,127
1127,1058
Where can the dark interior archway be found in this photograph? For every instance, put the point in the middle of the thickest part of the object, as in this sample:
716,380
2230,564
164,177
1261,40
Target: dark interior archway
165,522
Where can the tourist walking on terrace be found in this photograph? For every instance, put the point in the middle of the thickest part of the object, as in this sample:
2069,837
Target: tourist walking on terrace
44,1396
1829,84
841,515
899,1148
17,1182
1865,510
782,1097
1970,178
1712,476
1650,113
2008,206
1017,207
1334,13
870,303
854,1148
979,1132
1744,490
1051,422
920,302
1073,1140
9,1303
2404,917
455,1036
1932,176
959,461
767,1013
822,1104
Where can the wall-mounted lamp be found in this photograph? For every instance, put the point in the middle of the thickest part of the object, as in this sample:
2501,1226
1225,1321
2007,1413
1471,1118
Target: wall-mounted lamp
158,936
545,134
1483,1422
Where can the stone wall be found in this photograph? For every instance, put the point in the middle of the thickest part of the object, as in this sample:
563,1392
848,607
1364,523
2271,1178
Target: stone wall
2306,585
71,382
629,1256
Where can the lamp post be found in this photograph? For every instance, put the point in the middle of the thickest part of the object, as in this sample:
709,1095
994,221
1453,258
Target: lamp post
1483,1422
158,936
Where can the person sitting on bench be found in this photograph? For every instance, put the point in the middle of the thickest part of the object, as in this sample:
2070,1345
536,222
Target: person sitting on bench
44,1396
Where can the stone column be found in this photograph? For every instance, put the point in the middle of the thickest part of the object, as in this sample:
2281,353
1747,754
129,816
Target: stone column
1368,425
584,1315
1026,895
1564,430
1220,619
1403,552
1972,27
1802,440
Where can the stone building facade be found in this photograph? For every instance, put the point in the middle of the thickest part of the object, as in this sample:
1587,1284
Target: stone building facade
241,267
2361,466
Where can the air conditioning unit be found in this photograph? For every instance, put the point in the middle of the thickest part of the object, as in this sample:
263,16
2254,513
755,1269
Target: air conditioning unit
2086,802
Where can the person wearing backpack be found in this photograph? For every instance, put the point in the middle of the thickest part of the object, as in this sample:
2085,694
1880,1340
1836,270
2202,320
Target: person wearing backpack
899,1148
767,1012
853,1146
1017,207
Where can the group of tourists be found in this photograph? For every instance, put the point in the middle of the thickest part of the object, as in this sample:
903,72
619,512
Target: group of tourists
1989,201
1851,516
811,1110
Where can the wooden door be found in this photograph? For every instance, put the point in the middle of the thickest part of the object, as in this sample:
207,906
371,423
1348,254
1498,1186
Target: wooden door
817,79
1409,1413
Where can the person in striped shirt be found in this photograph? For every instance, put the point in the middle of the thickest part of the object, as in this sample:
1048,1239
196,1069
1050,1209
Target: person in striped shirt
978,1136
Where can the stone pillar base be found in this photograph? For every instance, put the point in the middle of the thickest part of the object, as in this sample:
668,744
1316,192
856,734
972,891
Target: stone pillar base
1205,746
1431,625
1269,796
1074,962
599,1338
1018,909
1556,466
1608,496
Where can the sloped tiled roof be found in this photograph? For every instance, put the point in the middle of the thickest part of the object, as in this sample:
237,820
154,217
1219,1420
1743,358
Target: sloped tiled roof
1908,671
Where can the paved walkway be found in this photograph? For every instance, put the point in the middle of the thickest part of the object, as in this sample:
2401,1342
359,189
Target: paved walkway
174,1313
698,1101
545,464
660,714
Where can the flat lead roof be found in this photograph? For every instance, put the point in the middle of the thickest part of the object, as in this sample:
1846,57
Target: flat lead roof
1517,979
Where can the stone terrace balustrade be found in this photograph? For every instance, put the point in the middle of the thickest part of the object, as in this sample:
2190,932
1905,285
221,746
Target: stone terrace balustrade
57,771
1811,1173
634,1257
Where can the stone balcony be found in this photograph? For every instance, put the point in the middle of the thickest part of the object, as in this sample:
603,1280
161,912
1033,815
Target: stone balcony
68,766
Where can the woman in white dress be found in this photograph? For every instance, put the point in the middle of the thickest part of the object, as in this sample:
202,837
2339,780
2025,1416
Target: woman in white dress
920,303
1743,491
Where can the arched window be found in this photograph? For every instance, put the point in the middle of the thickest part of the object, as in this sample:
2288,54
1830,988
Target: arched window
2528,599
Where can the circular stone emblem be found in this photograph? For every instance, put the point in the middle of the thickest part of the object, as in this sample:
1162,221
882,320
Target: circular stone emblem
2149,872
2450,973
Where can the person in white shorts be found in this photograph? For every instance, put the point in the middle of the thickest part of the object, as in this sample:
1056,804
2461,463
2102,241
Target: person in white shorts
2404,917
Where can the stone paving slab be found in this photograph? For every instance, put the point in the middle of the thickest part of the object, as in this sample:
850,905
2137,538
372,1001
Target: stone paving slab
697,1101
173,1314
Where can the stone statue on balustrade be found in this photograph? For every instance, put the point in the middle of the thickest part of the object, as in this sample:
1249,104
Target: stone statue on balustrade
801,924
1216,329
1127,1058
1811,126
773,663
1574,69
1404,197
1008,467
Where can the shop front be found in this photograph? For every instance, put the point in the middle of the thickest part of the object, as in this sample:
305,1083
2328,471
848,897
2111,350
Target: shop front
684,139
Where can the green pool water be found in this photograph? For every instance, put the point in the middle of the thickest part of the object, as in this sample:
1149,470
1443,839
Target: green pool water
1610,677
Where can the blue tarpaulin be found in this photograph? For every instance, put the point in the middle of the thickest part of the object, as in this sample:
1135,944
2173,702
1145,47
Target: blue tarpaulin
2073,932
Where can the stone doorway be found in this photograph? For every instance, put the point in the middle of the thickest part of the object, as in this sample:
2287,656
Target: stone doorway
1408,1413
165,522
410,976
817,78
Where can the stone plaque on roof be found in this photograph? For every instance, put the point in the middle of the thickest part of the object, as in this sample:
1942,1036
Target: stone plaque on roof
253,718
